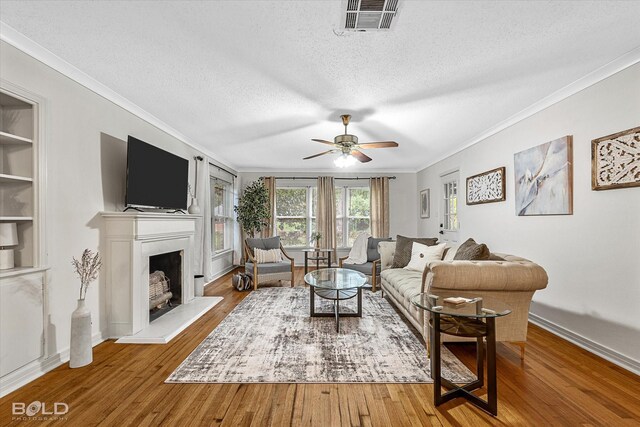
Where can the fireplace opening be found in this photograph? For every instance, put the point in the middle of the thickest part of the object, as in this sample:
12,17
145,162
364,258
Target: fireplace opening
165,283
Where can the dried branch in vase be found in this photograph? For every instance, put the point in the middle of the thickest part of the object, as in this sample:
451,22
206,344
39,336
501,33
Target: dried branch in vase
87,269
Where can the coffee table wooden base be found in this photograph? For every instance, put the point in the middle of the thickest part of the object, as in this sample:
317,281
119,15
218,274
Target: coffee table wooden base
336,296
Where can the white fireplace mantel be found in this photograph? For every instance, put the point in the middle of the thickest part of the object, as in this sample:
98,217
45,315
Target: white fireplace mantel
130,238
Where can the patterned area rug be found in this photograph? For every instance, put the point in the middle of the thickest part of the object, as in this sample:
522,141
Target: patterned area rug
270,338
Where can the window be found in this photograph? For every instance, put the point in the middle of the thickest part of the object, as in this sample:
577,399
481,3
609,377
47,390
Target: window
221,218
296,214
352,214
450,211
293,215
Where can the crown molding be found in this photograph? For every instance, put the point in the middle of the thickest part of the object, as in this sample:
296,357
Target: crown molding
622,62
21,42
334,171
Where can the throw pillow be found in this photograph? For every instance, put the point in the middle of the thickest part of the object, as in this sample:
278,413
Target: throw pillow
472,251
421,255
265,256
404,246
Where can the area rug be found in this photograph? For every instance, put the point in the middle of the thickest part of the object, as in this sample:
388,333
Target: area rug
270,338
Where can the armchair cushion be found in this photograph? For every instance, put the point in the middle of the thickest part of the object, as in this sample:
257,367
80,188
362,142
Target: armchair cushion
372,248
269,267
264,244
272,255
366,268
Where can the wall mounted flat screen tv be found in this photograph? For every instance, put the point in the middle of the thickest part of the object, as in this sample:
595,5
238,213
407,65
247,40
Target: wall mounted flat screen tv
155,178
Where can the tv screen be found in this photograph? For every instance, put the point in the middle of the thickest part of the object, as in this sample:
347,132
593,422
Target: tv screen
155,178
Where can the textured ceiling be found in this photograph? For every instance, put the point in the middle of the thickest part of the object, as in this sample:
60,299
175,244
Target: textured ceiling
253,81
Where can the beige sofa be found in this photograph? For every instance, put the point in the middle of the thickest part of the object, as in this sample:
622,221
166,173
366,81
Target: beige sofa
512,282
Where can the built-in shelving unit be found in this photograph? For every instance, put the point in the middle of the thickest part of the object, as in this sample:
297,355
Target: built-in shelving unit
18,140
23,289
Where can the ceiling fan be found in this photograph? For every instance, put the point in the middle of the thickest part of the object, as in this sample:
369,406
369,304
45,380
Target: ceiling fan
349,148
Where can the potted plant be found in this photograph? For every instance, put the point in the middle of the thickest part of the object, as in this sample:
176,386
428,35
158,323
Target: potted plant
81,352
253,209
316,237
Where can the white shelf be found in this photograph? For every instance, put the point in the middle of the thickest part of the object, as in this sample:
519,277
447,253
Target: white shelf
18,271
9,138
16,218
14,178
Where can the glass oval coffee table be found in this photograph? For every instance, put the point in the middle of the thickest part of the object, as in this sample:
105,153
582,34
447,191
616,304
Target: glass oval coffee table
336,284
473,319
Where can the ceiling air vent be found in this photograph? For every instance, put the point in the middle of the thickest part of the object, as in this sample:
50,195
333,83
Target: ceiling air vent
369,15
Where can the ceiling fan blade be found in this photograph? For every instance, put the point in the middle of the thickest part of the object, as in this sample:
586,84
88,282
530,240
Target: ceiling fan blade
324,141
380,144
319,154
363,158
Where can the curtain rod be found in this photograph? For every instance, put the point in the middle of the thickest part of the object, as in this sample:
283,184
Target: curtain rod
220,168
315,177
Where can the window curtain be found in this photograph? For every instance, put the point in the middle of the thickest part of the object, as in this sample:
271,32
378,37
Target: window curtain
238,234
379,190
202,239
270,184
326,212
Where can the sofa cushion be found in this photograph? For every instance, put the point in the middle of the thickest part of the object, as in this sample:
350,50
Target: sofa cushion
403,248
366,268
449,253
403,283
372,248
472,251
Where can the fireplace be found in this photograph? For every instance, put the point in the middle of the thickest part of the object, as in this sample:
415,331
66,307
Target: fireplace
136,245
165,283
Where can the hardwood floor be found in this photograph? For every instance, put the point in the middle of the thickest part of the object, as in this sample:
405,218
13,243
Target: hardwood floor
557,384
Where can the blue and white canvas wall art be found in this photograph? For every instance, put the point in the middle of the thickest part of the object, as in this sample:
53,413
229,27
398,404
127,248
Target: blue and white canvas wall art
544,179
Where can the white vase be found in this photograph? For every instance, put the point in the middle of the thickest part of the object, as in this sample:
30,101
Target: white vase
194,208
81,352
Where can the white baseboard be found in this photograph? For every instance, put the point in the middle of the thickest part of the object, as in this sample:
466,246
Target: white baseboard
35,369
221,273
599,350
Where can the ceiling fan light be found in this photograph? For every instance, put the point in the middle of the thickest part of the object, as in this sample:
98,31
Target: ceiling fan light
344,160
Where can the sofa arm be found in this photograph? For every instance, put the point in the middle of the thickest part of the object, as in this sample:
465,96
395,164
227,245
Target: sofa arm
519,275
387,250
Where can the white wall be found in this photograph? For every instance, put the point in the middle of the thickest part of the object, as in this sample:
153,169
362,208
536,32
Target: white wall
403,199
592,257
86,160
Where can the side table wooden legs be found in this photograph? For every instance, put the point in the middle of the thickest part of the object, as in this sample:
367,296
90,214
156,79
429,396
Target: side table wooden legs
488,331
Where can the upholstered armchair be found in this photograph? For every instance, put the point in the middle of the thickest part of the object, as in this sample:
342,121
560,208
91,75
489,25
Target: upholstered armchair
371,268
270,271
